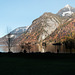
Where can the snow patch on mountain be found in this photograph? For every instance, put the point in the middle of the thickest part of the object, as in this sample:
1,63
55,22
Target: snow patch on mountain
68,13
20,29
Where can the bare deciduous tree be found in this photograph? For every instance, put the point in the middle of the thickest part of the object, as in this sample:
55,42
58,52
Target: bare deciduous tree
9,42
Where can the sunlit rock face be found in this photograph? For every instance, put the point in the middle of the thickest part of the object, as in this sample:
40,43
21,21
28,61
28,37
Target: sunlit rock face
43,26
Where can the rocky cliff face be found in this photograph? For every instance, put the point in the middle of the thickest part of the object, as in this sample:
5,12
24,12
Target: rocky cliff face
62,33
42,27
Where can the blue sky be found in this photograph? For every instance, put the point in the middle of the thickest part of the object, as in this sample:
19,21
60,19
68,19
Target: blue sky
19,13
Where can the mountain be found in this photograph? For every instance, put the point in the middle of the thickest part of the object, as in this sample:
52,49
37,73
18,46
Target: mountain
66,11
41,27
48,25
15,33
18,31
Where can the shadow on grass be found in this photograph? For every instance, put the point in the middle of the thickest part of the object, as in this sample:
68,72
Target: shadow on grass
37,64
39,55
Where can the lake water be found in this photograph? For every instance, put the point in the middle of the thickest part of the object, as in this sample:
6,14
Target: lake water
1,48
37,48
4,48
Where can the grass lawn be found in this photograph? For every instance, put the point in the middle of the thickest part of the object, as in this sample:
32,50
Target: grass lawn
36,66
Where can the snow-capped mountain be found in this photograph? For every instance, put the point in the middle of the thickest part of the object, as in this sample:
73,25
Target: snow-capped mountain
18,31
14,34
66,11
